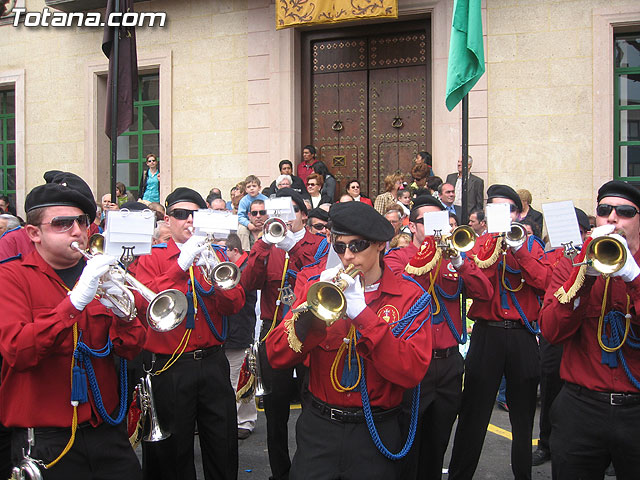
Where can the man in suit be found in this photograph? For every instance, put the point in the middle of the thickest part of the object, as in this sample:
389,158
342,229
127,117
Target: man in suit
447,196
475,198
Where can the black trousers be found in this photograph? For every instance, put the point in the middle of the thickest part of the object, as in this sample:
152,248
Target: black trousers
101,453
329,449
493,352
550,385
194,392
588,434
283,387
440,395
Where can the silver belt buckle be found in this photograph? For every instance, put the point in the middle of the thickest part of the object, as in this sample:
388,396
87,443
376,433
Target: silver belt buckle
334,414
198,354
616,399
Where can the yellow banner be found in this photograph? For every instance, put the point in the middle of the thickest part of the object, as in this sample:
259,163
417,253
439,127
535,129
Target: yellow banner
290,13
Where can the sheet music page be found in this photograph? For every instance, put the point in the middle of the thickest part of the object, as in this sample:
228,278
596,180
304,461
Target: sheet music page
498,218
562,223
436,221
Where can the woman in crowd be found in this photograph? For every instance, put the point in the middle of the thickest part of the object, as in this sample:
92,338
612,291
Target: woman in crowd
329,187
392,184
149,190
353,189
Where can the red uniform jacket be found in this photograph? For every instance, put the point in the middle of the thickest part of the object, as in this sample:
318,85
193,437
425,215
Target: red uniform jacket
575,326
15,242
264,270
36,343
534,270
391,364
160,271
477,286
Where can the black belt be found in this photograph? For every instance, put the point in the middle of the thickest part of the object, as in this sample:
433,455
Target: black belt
612,398
66,430
501,323
444,353
349,414
194,354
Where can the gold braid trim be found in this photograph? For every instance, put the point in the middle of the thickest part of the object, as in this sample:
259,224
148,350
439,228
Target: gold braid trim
426,268
294,342
497,251
245,388
566,296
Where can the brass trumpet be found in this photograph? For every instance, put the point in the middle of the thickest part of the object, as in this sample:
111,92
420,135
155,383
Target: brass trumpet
326,299
461,239
606,254
516,236
255,368
224,275
166,309
148,407
274,230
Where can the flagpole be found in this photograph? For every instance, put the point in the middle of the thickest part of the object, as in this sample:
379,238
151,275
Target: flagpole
465,180
115,51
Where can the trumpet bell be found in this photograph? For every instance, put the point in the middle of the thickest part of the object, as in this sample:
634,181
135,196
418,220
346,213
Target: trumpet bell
516,236
156,433
167,310
274,230
225,275
607,255
326,301
463,238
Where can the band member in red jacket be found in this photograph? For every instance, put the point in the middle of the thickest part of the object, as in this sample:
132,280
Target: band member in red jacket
52,322
503,343
361,365
594,318
191,372
441,389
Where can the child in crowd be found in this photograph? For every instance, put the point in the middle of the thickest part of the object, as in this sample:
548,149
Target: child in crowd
252,188
404,200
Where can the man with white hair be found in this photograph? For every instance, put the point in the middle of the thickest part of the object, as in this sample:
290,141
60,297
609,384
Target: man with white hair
8,222
475,189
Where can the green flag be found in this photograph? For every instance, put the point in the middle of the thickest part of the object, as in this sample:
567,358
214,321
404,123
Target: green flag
466,51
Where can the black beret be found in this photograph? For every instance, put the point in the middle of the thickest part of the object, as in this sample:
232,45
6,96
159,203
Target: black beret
63,188
295,196
134,206
184,194
357,218
583,220
426,201
618,188
51,174
504,191
319,213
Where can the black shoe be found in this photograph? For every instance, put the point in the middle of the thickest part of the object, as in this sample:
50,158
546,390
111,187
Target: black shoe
610,472
243,433
540,456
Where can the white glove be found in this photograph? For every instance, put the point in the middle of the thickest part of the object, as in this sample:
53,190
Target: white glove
85,289
630,269
602,231
330,273
457,261
354,295
110,288
206,258
190,250
287,242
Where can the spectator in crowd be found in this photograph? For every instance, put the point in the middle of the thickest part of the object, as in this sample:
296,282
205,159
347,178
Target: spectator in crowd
478,222
392,184
305,168
237,192
433,185
528,212
421,170
239,339
297,184
5,205
394,215
8,222
329,185
158,209
215,192
317,221
453,220
475,189
122,195
282,181
404,200
257,217
401,240
447,195
314,187
149,189
161,234
353,189
252,188
217,204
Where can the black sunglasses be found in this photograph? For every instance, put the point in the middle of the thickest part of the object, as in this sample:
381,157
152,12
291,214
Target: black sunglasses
625,211
63,224
255,213
319,226
354,245
181,213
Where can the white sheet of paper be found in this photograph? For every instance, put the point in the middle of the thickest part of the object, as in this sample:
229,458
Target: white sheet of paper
436,221
333,260
498,218
281,207
129,229
562,223
219,224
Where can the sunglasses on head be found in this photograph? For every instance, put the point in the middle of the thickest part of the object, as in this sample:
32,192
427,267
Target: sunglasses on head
181,213
626,211
354,245
255,213
63,224
319,226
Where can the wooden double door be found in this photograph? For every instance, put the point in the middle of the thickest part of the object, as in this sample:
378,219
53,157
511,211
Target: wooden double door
367,101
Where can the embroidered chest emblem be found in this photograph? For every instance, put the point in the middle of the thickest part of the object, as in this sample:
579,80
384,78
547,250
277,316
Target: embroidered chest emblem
389,314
